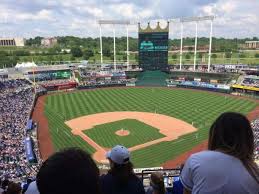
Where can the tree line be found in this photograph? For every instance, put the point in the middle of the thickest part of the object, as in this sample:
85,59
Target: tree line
85,48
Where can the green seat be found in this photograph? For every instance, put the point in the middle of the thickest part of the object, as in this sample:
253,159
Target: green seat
152,78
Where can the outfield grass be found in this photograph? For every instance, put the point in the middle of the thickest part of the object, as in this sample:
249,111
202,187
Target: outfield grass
140,133
191,106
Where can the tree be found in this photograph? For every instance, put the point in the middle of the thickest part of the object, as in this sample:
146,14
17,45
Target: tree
228,55
188,56
8,61
88,53
72,58
76,52
174,56
34,41
136,57
21,53
242,55
214,56
257,55
106,51
124,57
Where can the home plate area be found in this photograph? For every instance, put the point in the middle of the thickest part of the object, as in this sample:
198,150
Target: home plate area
135,130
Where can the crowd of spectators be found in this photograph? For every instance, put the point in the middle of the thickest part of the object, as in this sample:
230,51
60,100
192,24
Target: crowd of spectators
251,81
255,125
76,168
16,103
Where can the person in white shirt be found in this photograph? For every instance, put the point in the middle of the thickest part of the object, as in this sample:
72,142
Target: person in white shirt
32,189
228,166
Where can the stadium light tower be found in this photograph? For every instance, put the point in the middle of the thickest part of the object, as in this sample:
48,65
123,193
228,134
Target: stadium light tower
181,49
101,44
209,61
114,23
196,20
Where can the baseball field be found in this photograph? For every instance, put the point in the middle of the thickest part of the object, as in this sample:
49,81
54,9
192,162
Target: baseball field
157,124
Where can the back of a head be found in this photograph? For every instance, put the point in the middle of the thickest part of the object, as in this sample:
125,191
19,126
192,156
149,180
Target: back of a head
157,182
232,134
5,183
121,166
13,188
67,172
123,172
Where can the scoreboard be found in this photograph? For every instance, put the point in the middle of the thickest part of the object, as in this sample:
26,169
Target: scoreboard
153,50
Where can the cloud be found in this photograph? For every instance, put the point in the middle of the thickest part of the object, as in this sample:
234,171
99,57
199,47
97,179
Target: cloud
79,17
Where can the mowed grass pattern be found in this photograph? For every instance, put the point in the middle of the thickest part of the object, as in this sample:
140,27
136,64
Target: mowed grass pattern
140,133
201,108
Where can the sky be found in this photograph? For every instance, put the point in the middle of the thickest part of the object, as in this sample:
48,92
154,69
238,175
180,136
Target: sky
47,18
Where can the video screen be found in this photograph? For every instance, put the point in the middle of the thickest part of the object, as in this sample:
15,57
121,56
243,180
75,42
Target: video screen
153,50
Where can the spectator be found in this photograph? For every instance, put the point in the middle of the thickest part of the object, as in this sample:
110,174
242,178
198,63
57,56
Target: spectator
5,184
67,172
25,186
157,184
13,188
1,190
120,178
16,103
32,189
177,184
228,166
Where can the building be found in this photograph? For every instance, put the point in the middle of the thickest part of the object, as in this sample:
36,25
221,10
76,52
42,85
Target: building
12,42
252,44
49,42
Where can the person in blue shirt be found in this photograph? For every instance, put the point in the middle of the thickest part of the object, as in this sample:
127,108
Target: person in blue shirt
177,186
120,179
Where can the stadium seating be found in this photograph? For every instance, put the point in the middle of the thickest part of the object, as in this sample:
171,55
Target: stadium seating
17,100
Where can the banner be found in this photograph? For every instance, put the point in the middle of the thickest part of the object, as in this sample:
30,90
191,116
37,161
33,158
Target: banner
30,155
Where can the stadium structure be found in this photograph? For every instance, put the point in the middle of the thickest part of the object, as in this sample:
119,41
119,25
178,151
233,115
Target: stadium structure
161,114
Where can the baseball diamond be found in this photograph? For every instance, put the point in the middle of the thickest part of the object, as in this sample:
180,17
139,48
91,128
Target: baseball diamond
187,106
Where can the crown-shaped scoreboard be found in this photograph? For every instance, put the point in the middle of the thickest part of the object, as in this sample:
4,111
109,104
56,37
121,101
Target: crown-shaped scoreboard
153,47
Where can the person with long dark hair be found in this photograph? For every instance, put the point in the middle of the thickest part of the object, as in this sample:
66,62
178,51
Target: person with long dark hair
121,177
157,184
228,165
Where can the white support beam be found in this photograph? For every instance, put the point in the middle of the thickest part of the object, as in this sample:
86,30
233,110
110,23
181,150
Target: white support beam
127,29
114,49
114,22
195,48
209,60
101,44
181,49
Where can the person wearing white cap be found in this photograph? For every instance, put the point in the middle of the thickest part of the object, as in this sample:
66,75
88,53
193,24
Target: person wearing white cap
121,178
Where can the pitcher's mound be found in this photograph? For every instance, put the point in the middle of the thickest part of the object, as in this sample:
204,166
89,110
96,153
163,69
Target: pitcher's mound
122,132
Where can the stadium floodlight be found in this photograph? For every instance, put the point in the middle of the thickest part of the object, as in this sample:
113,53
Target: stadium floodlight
197,19
114,22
